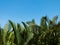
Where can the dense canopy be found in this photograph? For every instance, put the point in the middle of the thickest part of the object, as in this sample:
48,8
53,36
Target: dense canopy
47,33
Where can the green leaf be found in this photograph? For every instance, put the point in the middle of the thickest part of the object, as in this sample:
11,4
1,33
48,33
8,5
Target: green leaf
16,33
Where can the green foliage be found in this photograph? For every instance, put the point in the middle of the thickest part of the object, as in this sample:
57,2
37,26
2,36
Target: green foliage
47,33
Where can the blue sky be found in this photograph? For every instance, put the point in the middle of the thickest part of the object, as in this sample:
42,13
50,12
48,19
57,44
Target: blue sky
26,10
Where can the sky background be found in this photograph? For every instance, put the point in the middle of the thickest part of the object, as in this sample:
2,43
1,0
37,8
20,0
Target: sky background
26,10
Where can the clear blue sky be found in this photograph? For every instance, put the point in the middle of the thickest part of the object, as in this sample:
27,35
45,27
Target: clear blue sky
25,10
